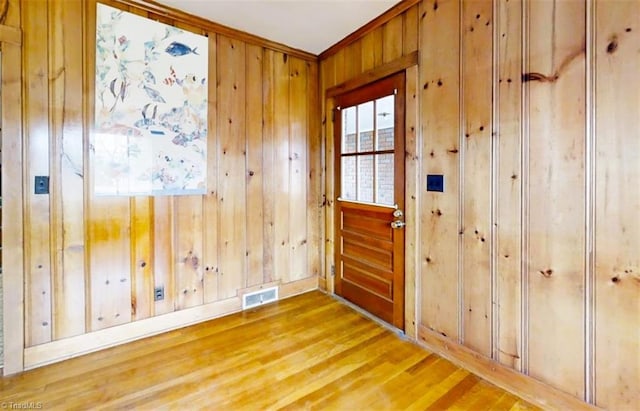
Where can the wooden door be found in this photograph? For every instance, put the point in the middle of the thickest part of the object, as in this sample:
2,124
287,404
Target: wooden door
369,175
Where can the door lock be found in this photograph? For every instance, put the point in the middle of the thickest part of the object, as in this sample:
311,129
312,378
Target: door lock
398,214
398,224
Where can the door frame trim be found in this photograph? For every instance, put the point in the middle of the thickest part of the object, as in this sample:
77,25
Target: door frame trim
408,64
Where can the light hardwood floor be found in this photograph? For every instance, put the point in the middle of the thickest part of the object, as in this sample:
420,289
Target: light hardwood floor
306,352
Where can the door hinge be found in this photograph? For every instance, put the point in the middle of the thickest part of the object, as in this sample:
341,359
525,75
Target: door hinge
333,270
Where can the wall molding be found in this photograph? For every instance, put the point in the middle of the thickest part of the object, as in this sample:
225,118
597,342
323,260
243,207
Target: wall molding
394,11
66,348
210,26
530,389
374,74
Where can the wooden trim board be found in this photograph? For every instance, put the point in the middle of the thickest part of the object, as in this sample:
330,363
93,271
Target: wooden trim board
12,194
506,378
375,74
59,350
11,35
394,11
209,26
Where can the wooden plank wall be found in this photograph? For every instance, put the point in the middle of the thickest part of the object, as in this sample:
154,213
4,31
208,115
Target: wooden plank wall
93,262
529,109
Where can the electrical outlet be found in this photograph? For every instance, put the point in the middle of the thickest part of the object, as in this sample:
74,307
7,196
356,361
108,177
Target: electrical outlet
158,293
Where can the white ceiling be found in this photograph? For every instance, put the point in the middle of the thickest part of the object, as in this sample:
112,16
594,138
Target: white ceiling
309,25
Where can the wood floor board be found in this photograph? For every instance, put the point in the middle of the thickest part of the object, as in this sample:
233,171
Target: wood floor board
306,352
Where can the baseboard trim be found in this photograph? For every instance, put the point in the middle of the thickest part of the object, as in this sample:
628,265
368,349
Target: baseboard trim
71,347
528,388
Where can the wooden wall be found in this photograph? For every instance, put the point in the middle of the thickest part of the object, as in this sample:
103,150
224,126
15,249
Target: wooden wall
92,263
529,109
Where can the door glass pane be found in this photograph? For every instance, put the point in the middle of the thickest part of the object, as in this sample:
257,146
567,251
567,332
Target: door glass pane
385,122
384,179
365,178
349,130
348,178
365,126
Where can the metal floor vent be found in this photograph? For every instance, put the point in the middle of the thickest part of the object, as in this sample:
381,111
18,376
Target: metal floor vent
260,297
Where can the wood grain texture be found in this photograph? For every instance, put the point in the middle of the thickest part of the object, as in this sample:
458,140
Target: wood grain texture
556,224
509,185
477,57
13,273
255,176
543,183
373,25
315,174
232,180
188,252
538,393
308,351
210,204
439,80
298,145
282,168
37,246
67,169
142,240
392,34
412,204
268,164
617,230
164,269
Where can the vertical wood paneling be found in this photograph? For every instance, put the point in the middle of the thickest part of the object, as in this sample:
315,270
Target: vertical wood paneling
392,33
268,164
282,169
556,74
339,66
188,256
210,200
353,60
142,281
314,172
477,57
94,261
368,48
37,144
13,276
189,232
326,78
298,132
142,257
440,115
255,181
163,261
617,231
411,205
509,230
411,28
67,186
110,279
530,186
232,180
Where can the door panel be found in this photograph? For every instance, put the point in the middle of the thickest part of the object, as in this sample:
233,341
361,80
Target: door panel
369,130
